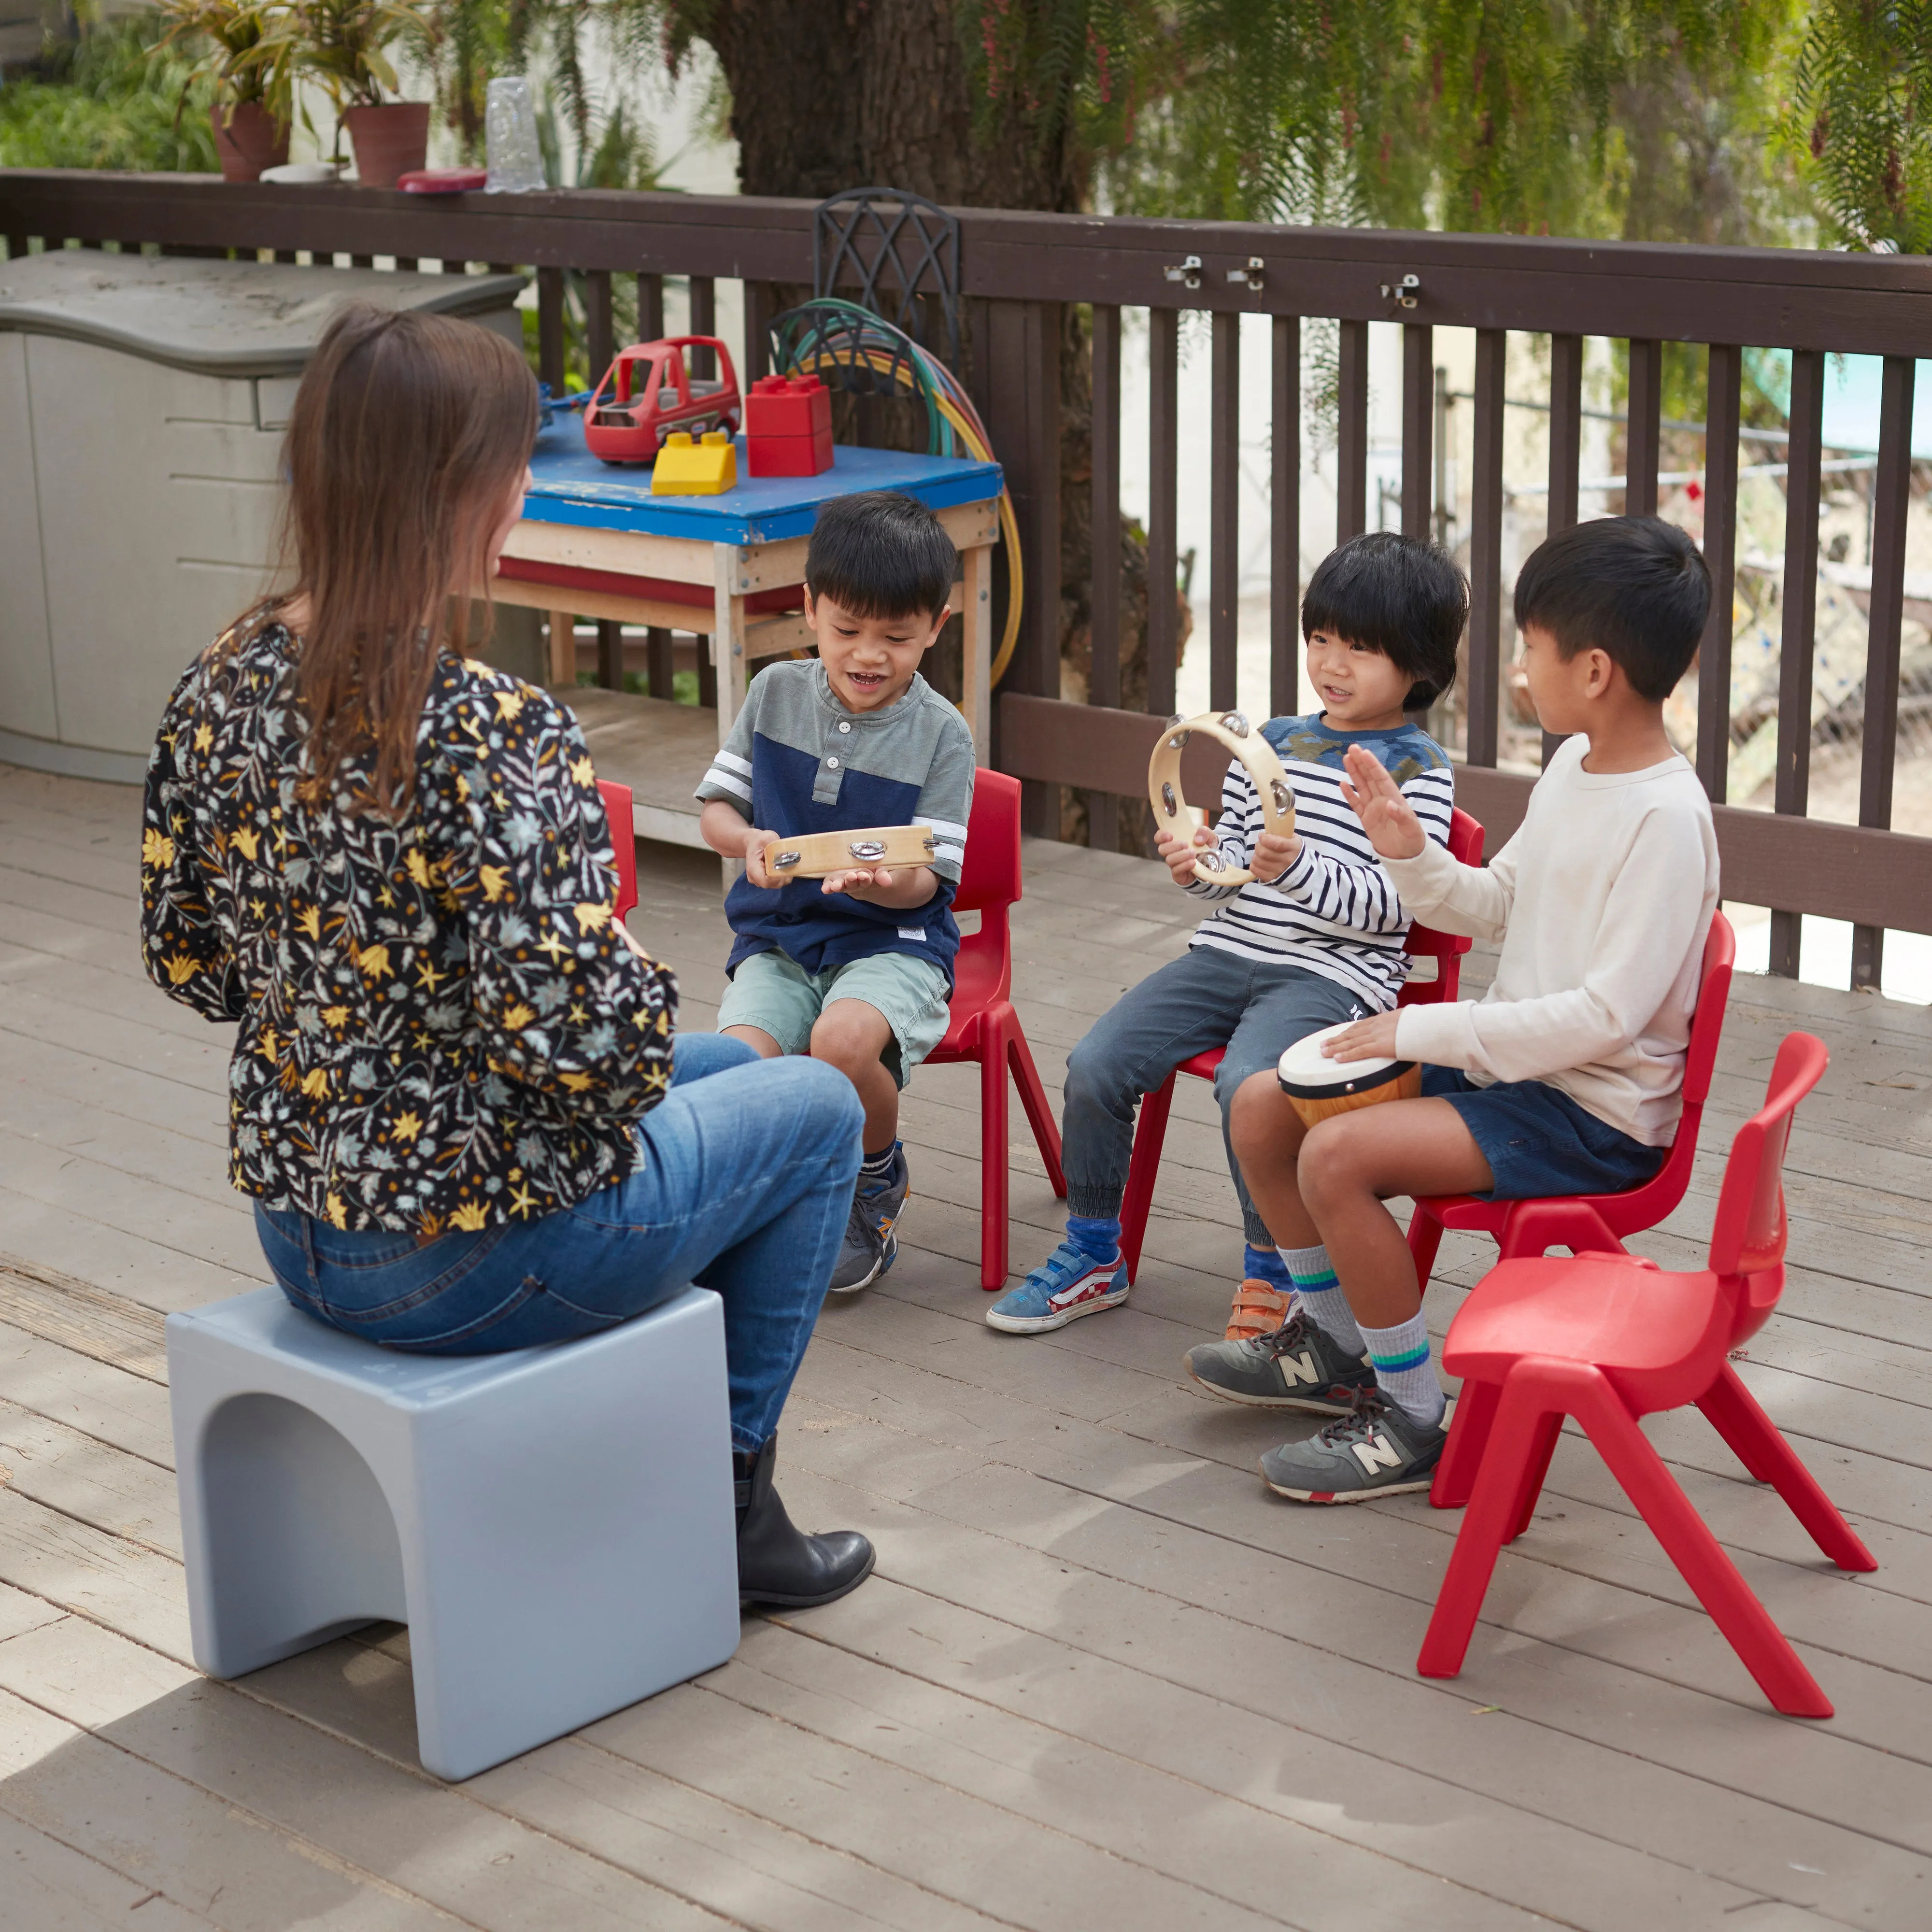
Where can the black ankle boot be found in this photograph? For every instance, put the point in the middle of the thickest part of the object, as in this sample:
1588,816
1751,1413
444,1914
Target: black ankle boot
779,1564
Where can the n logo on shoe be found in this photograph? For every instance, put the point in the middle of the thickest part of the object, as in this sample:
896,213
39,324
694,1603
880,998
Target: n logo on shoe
1377,1452
1298,1368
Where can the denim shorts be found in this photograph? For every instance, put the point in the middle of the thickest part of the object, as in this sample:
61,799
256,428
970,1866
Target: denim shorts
776,994
1538,1141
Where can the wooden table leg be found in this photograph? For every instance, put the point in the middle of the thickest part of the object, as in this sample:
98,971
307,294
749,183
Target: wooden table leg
976,684
562,648
728,656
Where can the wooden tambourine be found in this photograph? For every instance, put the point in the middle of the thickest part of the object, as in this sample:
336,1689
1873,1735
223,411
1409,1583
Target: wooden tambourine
1170,808
1319,1087
817,855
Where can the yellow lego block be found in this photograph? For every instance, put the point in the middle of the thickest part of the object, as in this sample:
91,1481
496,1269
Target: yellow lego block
688,468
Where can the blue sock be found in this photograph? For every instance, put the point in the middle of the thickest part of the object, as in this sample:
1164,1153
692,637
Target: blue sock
1403,1373
1100,1239
1266,1264
1320,1293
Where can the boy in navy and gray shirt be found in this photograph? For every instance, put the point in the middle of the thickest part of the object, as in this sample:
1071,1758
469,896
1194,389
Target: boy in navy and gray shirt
1315,940
856,969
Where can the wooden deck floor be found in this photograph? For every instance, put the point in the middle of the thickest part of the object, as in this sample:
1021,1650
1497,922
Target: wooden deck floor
1101,1679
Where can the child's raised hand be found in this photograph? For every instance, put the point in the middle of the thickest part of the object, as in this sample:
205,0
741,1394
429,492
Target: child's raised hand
1376,800
1178,854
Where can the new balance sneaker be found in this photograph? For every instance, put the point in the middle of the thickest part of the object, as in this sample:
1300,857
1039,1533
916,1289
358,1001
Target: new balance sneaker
1258,1310
1299,1366
1068,1284
872,1244
1376,1450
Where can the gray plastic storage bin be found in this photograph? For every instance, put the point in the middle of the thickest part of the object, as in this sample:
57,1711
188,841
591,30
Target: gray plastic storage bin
142,403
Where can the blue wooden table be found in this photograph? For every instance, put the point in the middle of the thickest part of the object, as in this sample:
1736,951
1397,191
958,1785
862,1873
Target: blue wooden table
594,542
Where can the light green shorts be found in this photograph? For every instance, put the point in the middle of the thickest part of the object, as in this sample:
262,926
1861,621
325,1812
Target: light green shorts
774,993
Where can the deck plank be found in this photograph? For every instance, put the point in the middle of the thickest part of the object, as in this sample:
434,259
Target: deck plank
1099,1679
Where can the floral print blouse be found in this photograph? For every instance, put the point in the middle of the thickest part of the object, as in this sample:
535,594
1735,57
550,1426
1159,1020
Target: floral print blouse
441,1027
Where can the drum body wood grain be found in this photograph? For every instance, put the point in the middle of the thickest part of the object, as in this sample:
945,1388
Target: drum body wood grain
816,855
1320,1088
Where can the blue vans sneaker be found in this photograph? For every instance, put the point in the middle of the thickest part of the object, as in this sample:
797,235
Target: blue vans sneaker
1068,1284
1376,1450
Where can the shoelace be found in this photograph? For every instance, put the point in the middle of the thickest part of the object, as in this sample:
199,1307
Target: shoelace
1290,1335
1367,1407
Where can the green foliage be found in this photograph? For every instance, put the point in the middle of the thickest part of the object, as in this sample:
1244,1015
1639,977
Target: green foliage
1860,122
1582,117
343,45
111,103
222,39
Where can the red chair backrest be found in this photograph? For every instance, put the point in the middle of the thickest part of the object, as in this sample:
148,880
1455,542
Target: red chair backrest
623,841
990,875
1707,1020
1748,1236
1424,942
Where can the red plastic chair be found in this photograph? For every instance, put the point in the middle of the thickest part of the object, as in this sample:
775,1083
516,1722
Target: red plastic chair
1598,1221
623,841
984,1026
1608,1338
1466,843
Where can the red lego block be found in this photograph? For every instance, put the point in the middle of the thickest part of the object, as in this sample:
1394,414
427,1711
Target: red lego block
788,455
788,405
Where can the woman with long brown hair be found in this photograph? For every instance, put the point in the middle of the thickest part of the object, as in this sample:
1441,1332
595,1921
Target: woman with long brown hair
456,1096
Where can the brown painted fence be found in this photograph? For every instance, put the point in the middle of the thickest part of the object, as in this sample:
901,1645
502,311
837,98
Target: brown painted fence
1018,269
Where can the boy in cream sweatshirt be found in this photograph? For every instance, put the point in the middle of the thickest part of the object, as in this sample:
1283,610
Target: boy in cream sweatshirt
1565,1078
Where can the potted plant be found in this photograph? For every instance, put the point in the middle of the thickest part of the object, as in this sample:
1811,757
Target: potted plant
252,105
343,46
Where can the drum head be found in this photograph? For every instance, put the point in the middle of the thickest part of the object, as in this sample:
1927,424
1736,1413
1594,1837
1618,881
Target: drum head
1306,1071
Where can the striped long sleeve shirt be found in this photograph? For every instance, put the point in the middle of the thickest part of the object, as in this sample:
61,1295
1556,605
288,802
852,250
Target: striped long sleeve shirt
1335,911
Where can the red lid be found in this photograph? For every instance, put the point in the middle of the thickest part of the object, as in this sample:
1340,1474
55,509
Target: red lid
442,181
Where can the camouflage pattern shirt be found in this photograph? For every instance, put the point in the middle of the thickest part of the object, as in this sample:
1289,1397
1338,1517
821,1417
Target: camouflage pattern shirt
440,1026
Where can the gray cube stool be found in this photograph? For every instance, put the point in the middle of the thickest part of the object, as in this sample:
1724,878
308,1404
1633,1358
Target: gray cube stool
555,1526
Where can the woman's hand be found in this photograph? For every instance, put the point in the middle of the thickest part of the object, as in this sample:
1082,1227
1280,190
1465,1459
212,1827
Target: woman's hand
1376,800
1371,1038
1178,855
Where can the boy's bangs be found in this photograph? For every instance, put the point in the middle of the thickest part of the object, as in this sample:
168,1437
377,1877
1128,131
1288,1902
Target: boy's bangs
1396,595
881,556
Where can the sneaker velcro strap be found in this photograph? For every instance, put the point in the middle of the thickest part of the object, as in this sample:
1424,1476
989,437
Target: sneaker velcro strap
1258,1310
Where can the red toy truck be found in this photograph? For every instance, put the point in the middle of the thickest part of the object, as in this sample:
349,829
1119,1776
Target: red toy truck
650,391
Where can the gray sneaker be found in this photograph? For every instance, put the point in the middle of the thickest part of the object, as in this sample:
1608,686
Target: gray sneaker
872,1244
1298,1367
1377,1450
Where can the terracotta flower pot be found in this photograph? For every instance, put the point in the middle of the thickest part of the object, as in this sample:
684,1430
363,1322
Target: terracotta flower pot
247,139
390,140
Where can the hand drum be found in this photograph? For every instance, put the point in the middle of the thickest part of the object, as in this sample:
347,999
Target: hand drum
1319,1087
817,855
1245,743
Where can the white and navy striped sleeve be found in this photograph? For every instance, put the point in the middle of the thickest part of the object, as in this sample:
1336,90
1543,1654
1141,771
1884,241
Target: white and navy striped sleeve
1355,889
729,777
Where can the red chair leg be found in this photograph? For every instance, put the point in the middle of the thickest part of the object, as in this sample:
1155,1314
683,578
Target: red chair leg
1736,1414
992,1152
1535,1469
1511,1441
1032,1098
1469,1425
1688,1540
1149,1136
1425,1236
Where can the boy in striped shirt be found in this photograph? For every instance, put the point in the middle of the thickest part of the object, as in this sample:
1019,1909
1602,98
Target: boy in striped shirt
1315,941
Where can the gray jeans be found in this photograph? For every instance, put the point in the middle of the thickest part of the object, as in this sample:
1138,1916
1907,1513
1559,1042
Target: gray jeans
1207,997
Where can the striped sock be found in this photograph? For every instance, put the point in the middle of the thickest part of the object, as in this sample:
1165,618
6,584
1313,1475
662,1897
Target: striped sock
1403,1371
1321,1295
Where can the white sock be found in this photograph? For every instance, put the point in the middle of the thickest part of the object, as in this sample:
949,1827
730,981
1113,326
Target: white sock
1403,1371
1314,1278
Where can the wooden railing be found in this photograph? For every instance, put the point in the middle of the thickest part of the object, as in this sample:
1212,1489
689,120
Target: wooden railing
1017,270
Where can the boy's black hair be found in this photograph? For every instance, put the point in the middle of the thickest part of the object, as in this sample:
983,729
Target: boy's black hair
1396,595
1636,587
881,554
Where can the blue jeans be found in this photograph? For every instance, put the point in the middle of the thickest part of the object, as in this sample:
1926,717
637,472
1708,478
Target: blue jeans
1207,997
747,1180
